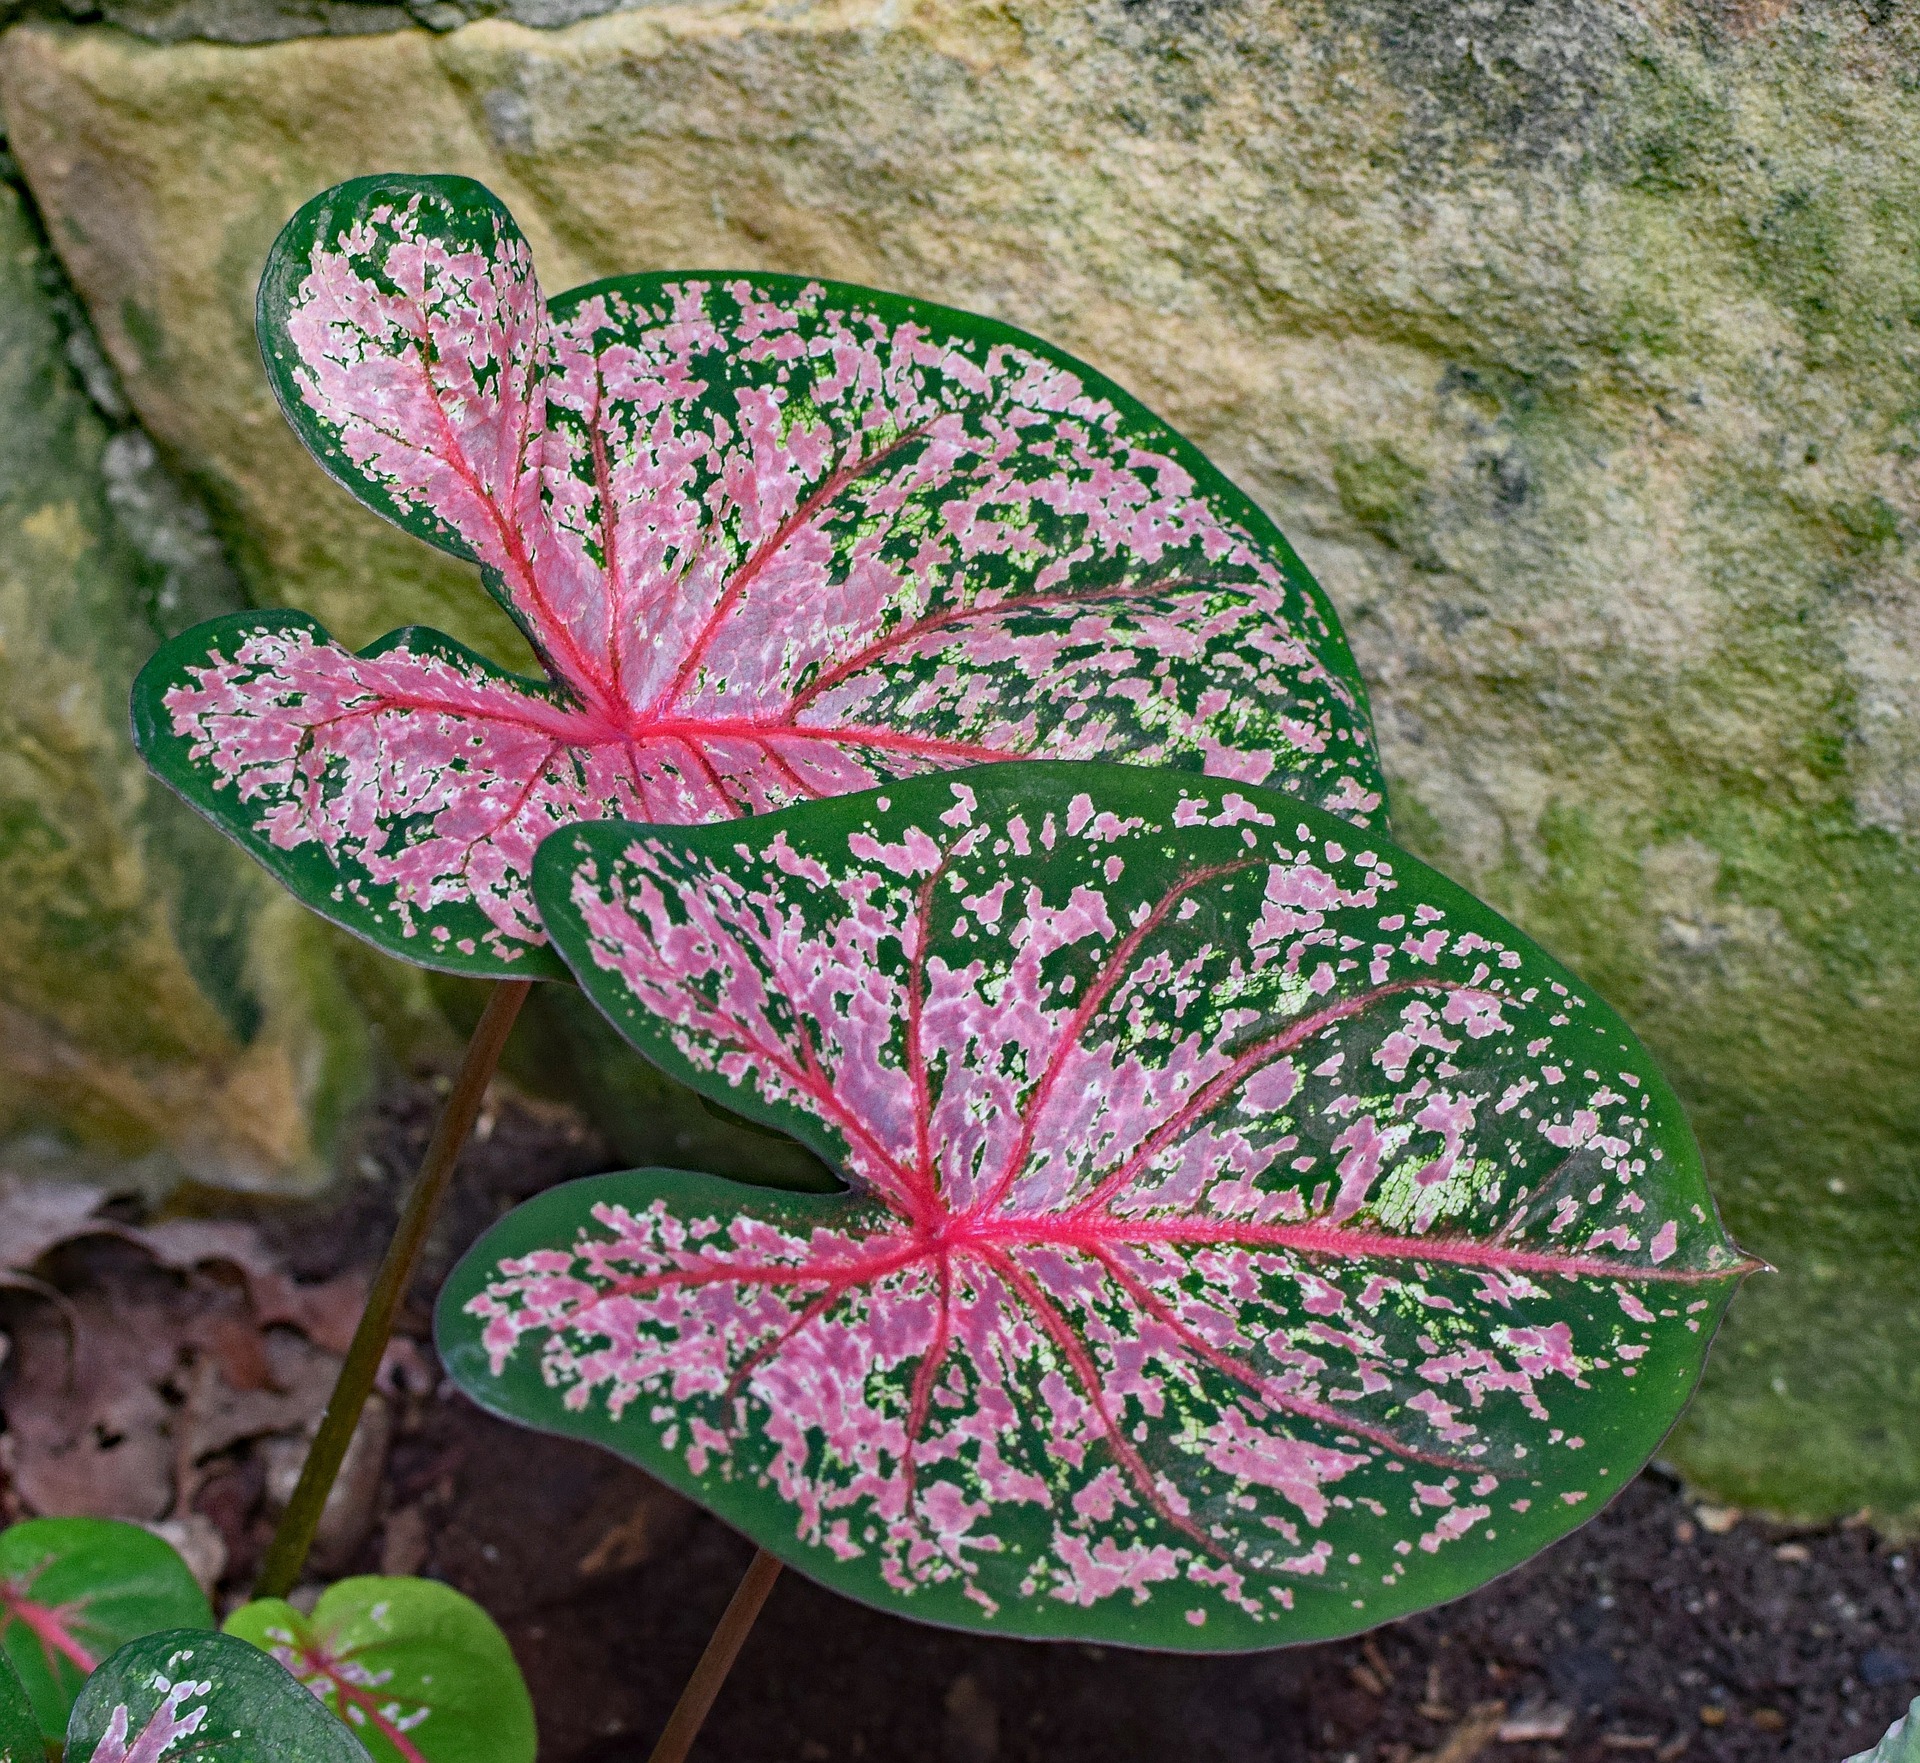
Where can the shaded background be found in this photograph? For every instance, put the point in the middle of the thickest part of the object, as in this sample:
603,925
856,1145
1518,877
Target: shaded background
1573,343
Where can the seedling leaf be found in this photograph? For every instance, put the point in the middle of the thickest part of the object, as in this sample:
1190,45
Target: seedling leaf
419,1672
20,1739
74,1589
1900,1743
194,1694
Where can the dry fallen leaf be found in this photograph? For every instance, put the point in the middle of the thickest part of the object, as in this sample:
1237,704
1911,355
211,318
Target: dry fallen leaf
1536,1721
88,1429
36,1216
159,1349
405,1542
198,1542
1471,1736
326,1312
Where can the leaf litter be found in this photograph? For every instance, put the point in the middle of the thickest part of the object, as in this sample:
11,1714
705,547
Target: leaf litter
145,1356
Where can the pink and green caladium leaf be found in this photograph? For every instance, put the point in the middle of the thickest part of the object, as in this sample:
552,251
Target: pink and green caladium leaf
197,1696
419,1672
20,1740
74,1589
1249,1237
772,540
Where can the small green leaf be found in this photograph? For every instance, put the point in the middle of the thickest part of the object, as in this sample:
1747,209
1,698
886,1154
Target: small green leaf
418,1671
227,1699
20,1740
74,1589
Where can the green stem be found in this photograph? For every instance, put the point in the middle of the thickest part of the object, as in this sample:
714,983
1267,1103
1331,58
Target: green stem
294,1538
723,1647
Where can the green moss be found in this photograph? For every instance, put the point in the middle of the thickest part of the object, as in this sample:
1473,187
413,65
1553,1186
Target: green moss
1378,489
1867,523
1677,130
145,331
160,1001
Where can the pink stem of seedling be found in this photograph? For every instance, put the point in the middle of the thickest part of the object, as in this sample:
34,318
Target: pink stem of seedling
294,1538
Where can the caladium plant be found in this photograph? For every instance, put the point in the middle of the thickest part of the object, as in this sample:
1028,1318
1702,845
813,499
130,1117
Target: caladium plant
73,1590
771,540
420,1673
1249,1236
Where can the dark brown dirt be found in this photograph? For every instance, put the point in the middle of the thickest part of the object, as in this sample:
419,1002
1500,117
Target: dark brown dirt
1649,1632
1654,1635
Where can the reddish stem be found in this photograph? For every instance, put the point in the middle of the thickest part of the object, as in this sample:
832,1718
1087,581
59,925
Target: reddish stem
729,1635
294,1538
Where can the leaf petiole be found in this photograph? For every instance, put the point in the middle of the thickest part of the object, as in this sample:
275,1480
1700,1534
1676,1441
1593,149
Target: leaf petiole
723,1647
294,1537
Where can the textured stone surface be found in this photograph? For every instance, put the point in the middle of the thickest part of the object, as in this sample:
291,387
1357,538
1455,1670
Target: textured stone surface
160,1003
1574,345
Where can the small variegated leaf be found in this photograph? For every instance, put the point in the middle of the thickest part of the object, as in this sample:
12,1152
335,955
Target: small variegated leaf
772,540
197,1696
1250,1236
417,1670
74,1589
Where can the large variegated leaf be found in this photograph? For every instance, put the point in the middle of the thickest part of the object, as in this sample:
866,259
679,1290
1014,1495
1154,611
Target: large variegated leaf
1251,1237
72,1590
419,1672
772,540
195,1696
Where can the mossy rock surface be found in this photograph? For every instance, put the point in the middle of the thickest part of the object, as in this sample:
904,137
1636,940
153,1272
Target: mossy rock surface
161,1005
1575,345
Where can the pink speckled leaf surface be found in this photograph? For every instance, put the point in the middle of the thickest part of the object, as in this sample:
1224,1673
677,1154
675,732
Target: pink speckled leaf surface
772,540
1249,1237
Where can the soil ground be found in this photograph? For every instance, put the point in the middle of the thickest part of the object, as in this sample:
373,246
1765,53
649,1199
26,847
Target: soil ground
1664,1627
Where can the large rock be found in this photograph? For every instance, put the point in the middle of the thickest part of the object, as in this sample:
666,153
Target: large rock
1574,344
162,1007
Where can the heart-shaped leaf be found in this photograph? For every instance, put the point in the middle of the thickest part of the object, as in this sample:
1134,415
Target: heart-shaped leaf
74,1589
200,1695
773,540
20,1740
1251,1238
418,1671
